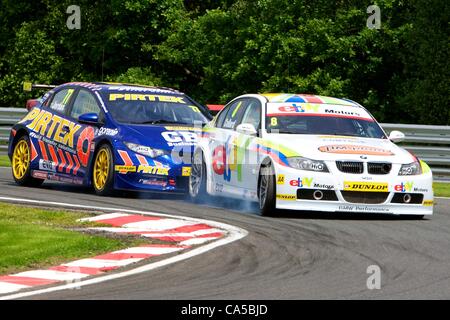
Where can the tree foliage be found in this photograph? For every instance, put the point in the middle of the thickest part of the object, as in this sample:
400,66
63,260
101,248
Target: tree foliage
215,50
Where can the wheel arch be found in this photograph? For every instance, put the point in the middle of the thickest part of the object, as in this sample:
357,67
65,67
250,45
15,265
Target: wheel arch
207,159
264,163
20,132
98,144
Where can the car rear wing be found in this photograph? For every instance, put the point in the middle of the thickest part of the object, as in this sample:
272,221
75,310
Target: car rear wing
28,86
215,108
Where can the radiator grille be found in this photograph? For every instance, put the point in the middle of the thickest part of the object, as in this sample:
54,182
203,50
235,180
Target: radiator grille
379,167
350,166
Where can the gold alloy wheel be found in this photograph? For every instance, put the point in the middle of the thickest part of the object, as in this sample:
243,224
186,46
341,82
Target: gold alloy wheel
21,159
101,169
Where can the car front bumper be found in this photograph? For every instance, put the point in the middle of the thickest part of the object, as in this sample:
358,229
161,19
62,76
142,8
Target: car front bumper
358,193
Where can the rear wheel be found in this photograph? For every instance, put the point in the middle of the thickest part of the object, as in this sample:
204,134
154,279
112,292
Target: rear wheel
266,191
197,179
102,171
21,164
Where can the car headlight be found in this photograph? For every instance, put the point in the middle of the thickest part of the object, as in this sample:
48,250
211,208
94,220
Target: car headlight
410,169
307,164
146,151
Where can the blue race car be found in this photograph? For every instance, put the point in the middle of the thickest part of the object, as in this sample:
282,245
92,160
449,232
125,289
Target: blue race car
110,136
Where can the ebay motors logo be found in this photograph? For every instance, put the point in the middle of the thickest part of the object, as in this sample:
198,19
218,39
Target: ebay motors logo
404,187
298,108
301,182
229,158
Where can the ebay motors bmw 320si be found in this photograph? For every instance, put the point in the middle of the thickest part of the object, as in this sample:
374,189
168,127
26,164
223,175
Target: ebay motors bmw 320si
306,152
110,136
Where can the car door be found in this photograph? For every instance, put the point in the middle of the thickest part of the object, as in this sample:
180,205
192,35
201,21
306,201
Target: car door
247,155
84,102
49,131
222,148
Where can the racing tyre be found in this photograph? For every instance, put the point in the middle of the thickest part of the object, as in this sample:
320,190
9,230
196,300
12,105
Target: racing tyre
266,191
102,171
197,179
21,164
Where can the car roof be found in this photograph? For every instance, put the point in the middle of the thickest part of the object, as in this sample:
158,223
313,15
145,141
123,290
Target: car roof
307,98
100,86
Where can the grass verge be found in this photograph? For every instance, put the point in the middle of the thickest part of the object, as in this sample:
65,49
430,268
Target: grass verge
32,238
441,189
4,161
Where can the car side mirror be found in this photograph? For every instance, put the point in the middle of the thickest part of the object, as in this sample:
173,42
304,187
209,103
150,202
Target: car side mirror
396,136
247,128
89,119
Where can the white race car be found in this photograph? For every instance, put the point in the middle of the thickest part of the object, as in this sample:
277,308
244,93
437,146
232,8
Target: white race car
307,152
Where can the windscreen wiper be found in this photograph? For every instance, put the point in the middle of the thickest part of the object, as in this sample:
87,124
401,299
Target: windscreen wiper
160,121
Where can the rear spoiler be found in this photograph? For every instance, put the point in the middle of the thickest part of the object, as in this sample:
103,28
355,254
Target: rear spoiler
28,86
215,108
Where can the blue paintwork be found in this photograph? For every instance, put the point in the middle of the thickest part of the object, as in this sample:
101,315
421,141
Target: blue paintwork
115,134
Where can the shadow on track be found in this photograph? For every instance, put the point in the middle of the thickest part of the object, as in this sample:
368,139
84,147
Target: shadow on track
243,207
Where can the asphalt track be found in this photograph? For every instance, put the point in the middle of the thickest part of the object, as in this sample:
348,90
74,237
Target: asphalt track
293,256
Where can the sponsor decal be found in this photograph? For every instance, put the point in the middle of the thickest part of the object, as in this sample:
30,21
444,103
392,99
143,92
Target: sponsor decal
138,89
408,187
56,177
145,97
180,128
287,197
182,138
186,171
229,158
153,170
317,109
301,182
61,133
280,179
355,149
107,132
404,187
47,165
296,108
218,187
153,182
39,174
52,126
124,169
428,203
366,186
358,208
323,186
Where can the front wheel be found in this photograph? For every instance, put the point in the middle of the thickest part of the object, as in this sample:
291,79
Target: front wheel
266,191
21,164
102,171
197,179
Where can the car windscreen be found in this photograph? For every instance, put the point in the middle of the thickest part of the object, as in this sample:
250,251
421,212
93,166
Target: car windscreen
150,108
322,120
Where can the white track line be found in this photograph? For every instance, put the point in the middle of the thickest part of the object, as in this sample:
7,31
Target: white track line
7,287
234,234
101,263
51,275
